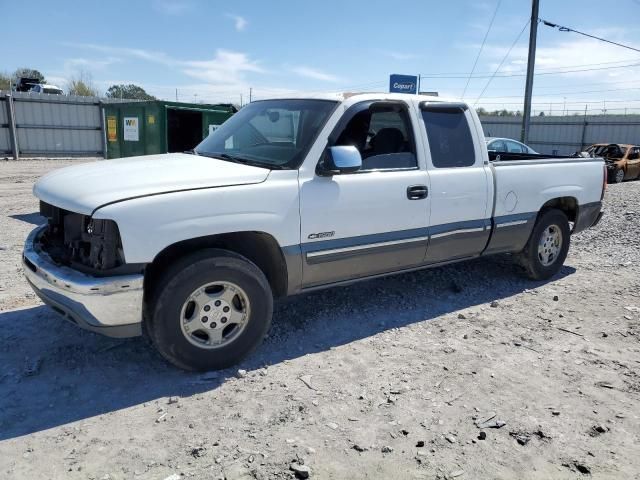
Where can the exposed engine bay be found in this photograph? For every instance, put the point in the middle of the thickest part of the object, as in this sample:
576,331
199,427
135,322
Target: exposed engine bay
86,244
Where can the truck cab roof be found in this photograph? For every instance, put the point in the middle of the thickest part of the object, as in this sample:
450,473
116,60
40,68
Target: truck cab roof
354,97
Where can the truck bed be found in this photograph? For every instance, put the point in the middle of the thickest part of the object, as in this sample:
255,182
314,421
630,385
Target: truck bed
507,156
526,184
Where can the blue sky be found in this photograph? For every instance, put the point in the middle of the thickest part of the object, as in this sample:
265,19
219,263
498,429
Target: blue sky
215,51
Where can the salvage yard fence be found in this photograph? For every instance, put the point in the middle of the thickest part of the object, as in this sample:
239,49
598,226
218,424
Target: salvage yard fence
44,125
564,135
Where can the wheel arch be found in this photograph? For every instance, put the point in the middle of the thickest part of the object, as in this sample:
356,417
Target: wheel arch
569,205
259,247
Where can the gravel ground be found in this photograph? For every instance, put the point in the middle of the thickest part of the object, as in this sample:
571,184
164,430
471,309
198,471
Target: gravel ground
384,379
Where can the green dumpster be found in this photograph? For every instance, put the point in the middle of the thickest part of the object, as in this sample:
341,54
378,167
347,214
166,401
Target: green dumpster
150,127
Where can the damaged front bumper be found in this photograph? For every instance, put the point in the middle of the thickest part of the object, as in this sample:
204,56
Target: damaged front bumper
111,306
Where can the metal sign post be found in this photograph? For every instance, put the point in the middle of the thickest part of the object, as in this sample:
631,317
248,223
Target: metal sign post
12,127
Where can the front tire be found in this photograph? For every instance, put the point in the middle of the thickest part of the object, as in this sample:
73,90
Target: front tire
548,245
210,310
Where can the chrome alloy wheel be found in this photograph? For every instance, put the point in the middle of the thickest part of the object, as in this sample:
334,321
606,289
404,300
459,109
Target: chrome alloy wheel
214,315
549,245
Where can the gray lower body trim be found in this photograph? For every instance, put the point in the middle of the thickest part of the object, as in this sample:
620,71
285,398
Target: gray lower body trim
588,215
511,232
361,261
347,252
379,275
346,259
457,240
293,258
331,262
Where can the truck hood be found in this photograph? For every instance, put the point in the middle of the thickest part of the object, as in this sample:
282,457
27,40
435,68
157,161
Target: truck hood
83,188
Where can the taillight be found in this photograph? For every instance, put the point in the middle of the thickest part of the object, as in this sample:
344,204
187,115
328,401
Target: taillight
604,181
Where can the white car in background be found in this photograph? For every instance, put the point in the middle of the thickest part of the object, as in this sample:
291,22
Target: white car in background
46,88
507,145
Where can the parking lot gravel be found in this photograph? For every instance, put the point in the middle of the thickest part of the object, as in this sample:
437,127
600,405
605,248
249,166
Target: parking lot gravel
468,371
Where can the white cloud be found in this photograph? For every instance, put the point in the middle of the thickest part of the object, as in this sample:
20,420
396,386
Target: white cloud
149,55
89,63
226,67
171,7
240,22
314,74
400,56
564,55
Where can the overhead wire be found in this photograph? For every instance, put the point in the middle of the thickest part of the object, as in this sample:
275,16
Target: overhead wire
562,28
502,61
523,74
484,40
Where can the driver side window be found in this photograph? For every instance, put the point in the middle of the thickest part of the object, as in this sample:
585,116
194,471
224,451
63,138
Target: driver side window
384,137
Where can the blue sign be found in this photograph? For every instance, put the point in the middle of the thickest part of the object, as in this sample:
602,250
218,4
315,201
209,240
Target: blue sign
403,83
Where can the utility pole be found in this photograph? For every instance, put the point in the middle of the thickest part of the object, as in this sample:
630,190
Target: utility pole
176,94
240,100
531,65
250,94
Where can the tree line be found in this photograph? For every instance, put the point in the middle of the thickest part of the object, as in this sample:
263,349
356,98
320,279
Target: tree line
80,84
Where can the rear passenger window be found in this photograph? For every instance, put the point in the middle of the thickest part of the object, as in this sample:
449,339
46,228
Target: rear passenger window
449,136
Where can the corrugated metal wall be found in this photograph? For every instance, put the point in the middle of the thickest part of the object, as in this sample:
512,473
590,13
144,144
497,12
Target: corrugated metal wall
568,134
57,124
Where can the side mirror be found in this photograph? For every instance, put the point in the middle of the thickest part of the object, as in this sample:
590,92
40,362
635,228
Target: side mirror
340,159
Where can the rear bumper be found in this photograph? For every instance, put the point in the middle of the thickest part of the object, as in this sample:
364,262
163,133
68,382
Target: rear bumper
111,306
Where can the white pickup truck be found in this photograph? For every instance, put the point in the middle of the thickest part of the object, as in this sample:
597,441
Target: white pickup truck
287,196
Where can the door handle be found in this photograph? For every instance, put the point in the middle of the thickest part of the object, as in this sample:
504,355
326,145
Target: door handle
417,192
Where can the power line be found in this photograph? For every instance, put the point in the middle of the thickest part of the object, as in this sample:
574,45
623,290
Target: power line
503,60
481,47
575,102
551,72
572,93
567,29
578,85
486,74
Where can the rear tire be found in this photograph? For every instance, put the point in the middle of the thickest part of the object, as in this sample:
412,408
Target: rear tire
210,310
617,176
548,245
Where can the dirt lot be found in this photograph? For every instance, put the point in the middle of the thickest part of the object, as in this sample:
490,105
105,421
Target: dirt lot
378,380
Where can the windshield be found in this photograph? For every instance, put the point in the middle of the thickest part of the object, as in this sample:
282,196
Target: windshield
269,133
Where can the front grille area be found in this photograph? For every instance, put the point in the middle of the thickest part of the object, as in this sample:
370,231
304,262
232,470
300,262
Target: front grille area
79,241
